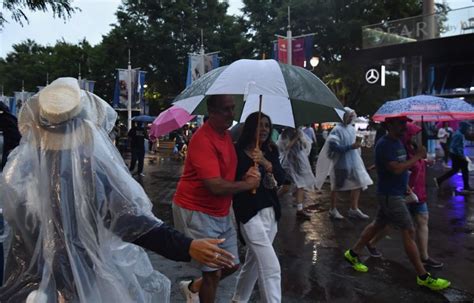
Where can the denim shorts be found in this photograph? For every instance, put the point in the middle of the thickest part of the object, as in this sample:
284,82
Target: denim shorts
198,225
393,210
418,208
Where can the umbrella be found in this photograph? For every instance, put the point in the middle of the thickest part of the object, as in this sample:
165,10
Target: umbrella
426,108
291,95
169,120
143,118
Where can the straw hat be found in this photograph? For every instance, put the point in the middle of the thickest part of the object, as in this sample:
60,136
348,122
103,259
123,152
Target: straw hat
60,101
62,116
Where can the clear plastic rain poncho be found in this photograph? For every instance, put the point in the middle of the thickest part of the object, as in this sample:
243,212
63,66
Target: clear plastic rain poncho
294,150
73,207
337,159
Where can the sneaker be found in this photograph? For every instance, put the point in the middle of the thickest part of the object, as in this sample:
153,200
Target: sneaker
433,283
373,251
302,214
142,175
432,263
334,213
357,213
356,264
191,297
436,182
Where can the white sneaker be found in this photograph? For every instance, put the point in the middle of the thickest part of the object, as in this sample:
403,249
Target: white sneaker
357,213
191,297
334,213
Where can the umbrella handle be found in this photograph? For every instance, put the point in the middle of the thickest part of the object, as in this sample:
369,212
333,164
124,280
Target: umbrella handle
257,134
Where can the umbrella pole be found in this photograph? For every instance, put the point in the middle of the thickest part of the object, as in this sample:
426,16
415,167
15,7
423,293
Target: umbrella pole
257,134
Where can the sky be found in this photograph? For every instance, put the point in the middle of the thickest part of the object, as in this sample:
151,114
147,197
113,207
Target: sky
91,23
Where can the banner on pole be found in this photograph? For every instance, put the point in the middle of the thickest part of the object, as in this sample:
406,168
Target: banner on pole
121,89
298,55
282,50
302,50
19,98
87,85
141,90
198,65
5,101
308,48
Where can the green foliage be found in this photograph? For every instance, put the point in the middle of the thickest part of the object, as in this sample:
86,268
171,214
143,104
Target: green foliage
160,34
60,8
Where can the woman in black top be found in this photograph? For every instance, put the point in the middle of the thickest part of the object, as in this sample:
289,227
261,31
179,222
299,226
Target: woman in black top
257,213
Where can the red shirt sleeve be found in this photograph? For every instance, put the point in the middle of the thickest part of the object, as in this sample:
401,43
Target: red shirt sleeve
204,158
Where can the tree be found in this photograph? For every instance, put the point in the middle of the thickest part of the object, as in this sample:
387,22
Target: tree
161,34
337,25
60,8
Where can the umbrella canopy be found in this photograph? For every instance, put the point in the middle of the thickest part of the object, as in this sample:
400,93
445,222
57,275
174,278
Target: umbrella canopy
426,108
143,118
169,120
292,95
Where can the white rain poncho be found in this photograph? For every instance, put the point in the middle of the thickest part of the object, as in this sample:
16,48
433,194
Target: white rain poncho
294,154
337,159
71,204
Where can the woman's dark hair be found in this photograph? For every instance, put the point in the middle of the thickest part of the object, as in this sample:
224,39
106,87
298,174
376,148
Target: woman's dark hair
247,136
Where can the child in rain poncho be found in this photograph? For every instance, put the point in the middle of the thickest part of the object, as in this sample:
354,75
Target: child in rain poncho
294,149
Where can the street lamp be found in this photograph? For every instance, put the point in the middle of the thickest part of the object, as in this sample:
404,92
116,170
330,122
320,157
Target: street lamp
314,62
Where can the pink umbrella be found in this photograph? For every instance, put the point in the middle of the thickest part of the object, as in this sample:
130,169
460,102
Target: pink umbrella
172,118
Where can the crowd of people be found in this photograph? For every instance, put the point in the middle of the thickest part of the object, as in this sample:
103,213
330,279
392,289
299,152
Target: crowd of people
80,220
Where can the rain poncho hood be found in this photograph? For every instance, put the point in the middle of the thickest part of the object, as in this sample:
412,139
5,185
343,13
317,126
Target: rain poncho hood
338,160
71,204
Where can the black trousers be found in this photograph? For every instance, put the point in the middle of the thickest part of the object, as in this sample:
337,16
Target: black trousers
137,155
459,163
445,147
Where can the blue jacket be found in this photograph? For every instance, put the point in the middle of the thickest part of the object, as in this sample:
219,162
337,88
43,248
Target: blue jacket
457,141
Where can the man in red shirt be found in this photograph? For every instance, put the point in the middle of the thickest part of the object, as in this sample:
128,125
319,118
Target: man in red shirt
204,193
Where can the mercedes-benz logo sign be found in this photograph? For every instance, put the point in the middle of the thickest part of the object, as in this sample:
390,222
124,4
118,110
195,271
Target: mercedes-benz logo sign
372,75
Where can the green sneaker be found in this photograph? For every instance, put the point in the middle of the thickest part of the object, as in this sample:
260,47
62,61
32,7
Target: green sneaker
433,283
356,264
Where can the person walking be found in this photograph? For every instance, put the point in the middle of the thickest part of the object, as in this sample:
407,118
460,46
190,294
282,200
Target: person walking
340,159
77,217
458,158
416,201
203,196
137,135
258,213
392,170
444,137
294,149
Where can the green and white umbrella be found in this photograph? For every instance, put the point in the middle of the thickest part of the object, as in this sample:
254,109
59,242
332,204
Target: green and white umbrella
291,95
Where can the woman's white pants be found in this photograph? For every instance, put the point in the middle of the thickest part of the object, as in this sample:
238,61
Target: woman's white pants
261,261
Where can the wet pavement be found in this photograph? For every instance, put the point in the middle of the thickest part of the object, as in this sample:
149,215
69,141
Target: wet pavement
311,252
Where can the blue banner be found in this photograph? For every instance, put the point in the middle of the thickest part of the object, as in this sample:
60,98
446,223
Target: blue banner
198,65
308,48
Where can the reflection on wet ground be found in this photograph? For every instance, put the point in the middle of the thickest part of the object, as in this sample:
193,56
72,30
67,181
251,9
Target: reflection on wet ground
310,252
